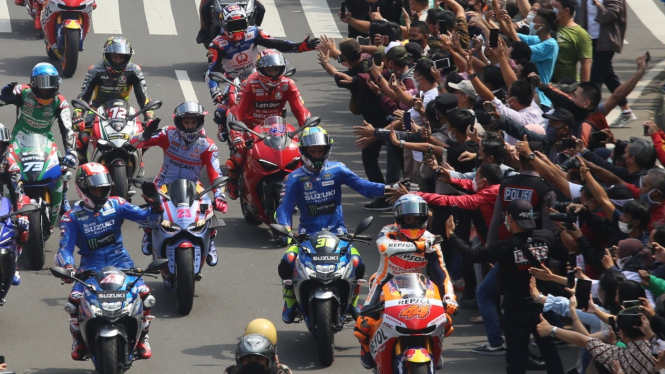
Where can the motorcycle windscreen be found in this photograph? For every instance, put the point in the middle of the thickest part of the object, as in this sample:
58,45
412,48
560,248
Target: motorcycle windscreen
182,191
110,278
410,285
324,242
274,128
31,142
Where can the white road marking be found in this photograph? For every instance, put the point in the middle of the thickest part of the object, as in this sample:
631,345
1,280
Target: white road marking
320,18
5,22
272,24
651,16
159,15
106,18
197,2
637,92
186,85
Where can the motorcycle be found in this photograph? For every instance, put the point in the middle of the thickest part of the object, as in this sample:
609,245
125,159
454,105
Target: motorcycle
65,24
184,235
111,313
115,124
323,282
414,323
217,6
41,173
8,244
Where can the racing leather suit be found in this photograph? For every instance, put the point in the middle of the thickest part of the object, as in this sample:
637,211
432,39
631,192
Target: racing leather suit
398,256
98,236
318,195
10,176
101,85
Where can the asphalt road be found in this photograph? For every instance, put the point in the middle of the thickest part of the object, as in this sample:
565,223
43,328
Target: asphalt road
34,334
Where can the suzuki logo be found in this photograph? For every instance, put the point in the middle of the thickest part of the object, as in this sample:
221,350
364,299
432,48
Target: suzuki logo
242,58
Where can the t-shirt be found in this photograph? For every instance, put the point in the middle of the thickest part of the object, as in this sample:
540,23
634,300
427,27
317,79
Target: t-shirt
543,54
592,26
574,45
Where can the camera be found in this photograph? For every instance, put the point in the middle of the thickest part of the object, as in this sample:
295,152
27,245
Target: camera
560,206
570,164
568,219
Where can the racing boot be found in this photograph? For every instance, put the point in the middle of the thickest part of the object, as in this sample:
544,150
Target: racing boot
19,2
141,172
361,332
17,278
232,185
146,246
355,310
79,350
290,304
211,259
143,348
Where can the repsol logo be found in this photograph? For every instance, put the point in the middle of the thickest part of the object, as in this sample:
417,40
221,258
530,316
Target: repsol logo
111,295
268,105
379,338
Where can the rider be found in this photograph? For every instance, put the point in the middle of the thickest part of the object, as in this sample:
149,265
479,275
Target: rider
263,95
37,5
316,188
93,225
10,176
208,11
39,106
112,78
234,53
405,247
186,151
256,351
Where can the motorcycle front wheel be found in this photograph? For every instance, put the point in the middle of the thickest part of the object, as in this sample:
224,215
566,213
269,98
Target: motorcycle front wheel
325,332
418,367
35,243
109,356
70,57
184,287
119,177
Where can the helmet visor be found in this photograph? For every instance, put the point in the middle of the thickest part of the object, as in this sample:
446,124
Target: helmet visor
46,81
236,25
4,135
98,180
119,48
271,60
417,208
189,109
317,138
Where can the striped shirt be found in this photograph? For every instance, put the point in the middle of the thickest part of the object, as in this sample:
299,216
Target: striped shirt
636,358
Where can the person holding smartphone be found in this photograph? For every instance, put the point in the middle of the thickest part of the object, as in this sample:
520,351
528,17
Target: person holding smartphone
526,248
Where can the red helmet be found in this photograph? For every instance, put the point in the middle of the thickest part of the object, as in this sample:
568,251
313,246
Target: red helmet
234,22
271,58
93,175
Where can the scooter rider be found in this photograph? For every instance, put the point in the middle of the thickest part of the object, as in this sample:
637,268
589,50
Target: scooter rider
256,352
39,105
186,151
316,188
112,78
93,225
264,94
405,247
234,53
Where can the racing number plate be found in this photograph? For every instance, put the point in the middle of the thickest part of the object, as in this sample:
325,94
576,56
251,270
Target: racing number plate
111,296
327,258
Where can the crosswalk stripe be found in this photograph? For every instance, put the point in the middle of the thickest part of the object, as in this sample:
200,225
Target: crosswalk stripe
274,26
196,3
319,18
106,18
5,22
650,16
186,85
159,15
637,92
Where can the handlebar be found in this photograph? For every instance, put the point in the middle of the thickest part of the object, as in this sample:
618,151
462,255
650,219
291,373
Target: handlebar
376,308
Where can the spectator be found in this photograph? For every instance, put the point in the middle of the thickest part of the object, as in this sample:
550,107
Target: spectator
419,33
419,9
639,156
650,192
359,10
574,44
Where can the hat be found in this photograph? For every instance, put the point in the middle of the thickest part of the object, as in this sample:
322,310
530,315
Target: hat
350,49
466,87
445,102
628,247
414,51
562,115
619,194
396,53
567,85
521,212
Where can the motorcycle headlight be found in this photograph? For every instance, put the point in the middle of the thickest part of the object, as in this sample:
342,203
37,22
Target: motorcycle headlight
198,225
325,268
97,311
342,270
293,164
170,226
111,307
310,272
267,165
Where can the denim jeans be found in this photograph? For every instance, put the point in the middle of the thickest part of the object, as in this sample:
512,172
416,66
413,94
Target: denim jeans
486,294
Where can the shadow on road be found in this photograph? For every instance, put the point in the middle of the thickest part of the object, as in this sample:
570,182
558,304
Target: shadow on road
216,351
59,371
302,352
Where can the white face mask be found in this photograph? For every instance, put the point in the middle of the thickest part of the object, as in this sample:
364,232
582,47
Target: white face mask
451,135
624,227
530,17
475,185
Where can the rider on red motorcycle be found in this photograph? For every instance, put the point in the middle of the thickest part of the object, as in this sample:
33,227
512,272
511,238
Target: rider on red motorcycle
186,151
38,5
264,94
406,247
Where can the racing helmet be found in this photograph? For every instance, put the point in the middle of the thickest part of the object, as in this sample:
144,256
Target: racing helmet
45,82
4,141
234,22
189,109
270,58
414,206
262,326
93,175
258,346
117,45
315,136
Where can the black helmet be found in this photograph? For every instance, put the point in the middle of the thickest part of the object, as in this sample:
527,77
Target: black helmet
189,109
117,45
4,141
255,345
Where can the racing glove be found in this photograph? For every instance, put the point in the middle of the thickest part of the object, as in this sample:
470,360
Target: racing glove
22,223
151,196
78,121
202,36
8,90
220,204
217,95
308,45
70,158
72,272
424,245
150,128
148,116
450,304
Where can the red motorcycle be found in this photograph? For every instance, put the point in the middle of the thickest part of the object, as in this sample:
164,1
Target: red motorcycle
65,24
271,154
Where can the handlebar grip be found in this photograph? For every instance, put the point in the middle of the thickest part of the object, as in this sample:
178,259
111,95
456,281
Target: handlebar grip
376,308
362,237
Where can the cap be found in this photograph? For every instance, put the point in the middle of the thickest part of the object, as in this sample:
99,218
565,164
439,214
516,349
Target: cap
562,115
567,85
349,48
390,46
445,102
628,247
619,194
521,212
466,87
396,53
414,51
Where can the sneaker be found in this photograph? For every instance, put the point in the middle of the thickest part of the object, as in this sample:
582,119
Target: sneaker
289,314
79,350
143,348
624,119
211,259
366,359
17,279
487,349
378,204
535,362
458,285
469,304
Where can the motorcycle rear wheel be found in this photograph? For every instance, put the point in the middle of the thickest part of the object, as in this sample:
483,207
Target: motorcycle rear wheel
325,332
35,242
249,216
184,286
70,56
418,367
120,184
109,356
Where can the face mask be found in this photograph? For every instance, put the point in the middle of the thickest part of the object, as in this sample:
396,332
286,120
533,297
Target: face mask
415,41
451,135
624,227
532,29
505,222
646,197
550,134
253,368
556,11
475,185
530,17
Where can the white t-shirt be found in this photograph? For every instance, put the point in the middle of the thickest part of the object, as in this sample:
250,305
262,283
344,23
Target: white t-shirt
415,116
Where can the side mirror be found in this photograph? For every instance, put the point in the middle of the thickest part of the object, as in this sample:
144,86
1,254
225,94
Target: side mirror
157,265
281,229
290,72
364,224
80,104
312,121
238,126
217,77
61,273
153,105
219,181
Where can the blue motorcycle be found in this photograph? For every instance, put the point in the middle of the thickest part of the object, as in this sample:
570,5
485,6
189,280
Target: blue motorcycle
324,279
111,313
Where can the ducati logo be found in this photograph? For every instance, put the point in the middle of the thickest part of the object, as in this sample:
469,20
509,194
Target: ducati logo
242,58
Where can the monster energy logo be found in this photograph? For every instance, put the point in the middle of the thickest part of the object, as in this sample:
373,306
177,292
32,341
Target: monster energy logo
96,243
315,210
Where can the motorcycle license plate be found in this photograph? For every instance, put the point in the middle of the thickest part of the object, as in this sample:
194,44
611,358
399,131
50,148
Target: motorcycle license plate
327,258
111,296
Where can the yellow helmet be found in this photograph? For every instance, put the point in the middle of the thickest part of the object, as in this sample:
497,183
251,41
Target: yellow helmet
262,326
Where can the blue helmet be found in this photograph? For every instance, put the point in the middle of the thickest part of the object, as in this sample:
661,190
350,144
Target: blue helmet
45,82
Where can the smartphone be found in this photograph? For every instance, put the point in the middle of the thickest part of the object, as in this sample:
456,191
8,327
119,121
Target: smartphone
444,156
363,41
454,211
613,325
582,293
598,137
489,107
428,155
568,143
631,303
343,9
443,27
646,131
2,359
378,58
648,58
406,119
441,64
494,38
572,260
341,59
385,40
421,96
534,82
393,80
629,320
570,276
559,147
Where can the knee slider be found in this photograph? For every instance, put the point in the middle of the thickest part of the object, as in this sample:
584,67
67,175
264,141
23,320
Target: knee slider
71,308
284,270
149,302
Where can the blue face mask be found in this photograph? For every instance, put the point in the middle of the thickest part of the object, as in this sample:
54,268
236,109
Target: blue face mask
550,134
532,28
646,197
556,11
